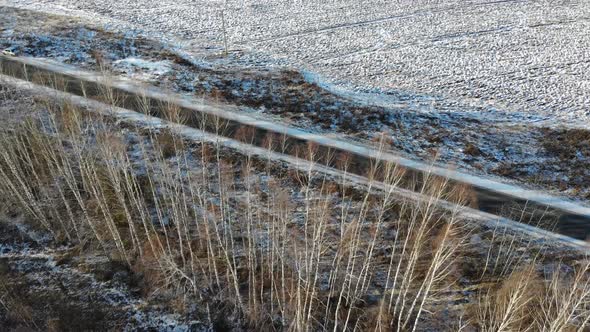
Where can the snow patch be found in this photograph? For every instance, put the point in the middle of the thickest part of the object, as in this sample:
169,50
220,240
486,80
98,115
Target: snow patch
133,65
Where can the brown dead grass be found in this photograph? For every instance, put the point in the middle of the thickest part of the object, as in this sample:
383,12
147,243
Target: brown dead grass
567,143
292,251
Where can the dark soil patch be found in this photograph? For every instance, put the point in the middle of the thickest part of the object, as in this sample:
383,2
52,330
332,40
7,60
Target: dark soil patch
12,239
472,150
49,304
567,144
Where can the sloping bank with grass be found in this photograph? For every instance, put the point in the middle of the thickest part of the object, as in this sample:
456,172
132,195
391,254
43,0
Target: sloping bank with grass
226,241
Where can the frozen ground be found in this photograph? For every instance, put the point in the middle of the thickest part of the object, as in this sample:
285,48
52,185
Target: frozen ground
65,284
536,148
517,60
43,284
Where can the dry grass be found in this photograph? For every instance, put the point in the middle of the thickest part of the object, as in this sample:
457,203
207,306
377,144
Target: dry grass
13,306
527,300
279,250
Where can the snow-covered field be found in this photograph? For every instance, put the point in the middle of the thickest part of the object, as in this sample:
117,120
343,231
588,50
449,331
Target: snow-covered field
521,60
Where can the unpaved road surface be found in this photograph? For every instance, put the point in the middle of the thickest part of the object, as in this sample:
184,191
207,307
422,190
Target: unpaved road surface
513,60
